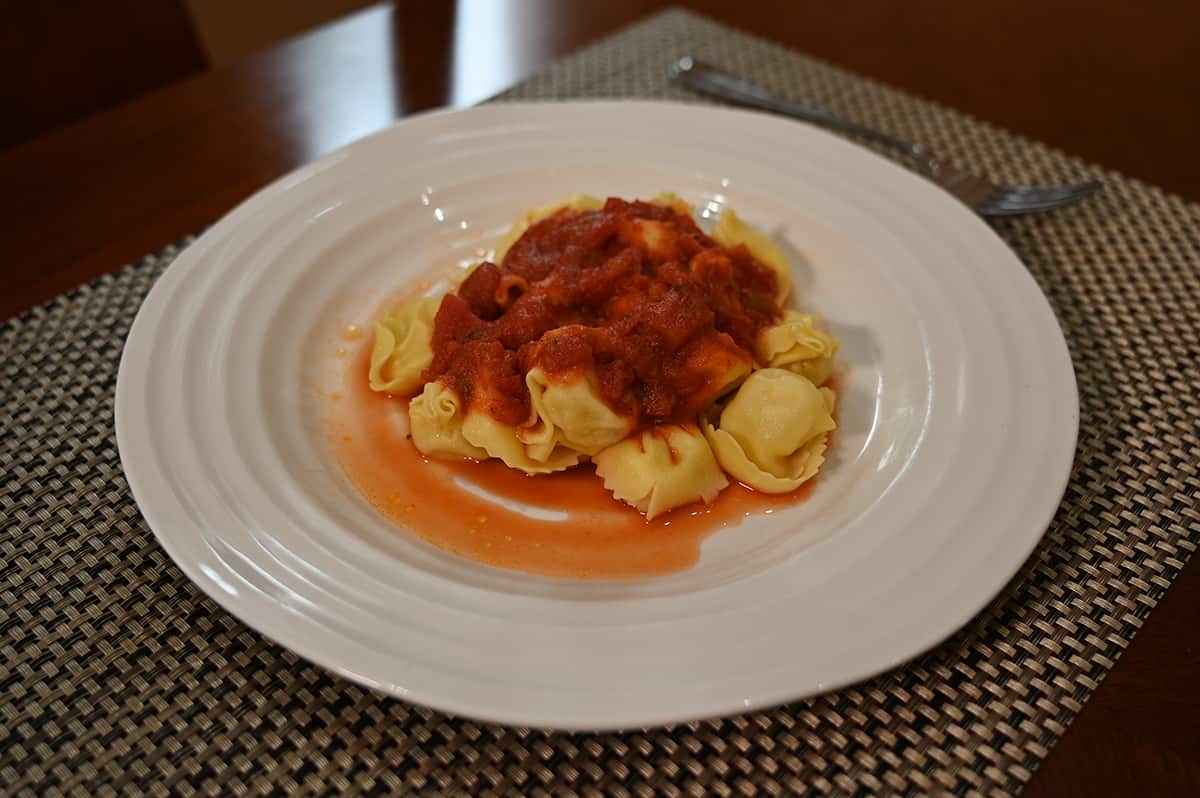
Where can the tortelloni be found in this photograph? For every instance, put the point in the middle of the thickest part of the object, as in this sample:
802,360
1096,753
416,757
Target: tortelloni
731,231
796,344
772,434
435,418
569,412
660,469
719,365
568,421
503,442
403,347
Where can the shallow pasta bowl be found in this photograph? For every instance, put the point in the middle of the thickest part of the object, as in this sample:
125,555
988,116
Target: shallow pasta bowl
958,423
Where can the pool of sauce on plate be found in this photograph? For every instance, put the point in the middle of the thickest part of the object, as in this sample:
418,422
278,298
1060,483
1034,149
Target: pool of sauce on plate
584,531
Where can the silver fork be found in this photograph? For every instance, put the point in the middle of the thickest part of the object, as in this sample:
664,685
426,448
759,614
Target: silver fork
982,196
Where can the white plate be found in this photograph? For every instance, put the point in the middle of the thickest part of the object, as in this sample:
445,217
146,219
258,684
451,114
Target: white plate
958,423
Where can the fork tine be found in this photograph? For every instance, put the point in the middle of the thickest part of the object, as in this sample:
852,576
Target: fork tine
1014,208
1034,195
1012,202
1029,199
1039,194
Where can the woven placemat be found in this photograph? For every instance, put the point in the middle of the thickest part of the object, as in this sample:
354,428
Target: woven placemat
119,676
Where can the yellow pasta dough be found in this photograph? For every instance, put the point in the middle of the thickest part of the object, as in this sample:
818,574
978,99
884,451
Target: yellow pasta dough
660,469
577,202
796,344
570,412
436,420
731,231
772,434
503,441
440,428
402,347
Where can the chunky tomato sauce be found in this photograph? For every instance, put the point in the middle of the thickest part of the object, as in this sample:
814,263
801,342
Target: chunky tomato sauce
634,291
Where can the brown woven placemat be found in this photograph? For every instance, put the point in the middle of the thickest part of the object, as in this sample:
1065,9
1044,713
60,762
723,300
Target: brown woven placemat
119,676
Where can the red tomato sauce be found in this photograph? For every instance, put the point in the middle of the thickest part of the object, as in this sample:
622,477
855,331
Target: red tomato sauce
635,292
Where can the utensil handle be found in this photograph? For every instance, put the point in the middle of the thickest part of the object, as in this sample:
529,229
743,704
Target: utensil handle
707,79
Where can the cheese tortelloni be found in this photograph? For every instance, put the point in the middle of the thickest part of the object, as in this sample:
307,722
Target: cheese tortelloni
719,364
772,434
576,202
796,344
504,442
660,469
569,412
403,347
731,231
435,421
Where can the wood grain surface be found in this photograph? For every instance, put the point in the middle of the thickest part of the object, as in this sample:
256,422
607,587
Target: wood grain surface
1110,81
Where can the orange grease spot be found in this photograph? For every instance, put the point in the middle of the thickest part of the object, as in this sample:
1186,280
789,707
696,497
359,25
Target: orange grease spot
597,537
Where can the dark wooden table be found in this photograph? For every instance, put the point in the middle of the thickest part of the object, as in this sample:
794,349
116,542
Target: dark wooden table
1110,81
